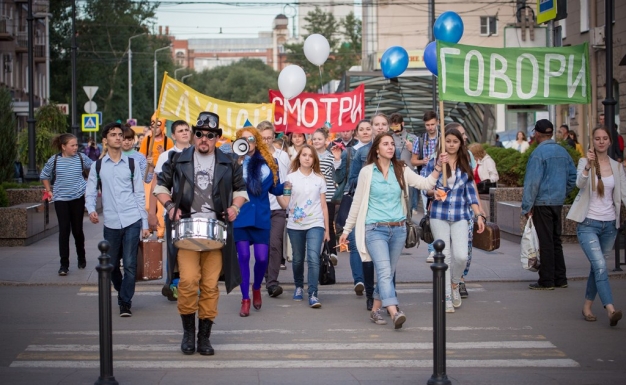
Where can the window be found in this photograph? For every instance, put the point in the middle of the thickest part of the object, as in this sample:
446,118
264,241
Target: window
584,16
488,25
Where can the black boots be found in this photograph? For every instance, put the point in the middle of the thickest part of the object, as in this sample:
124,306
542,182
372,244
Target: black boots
189,326
204,332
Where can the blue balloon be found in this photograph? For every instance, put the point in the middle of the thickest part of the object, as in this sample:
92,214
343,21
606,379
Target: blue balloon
430,57
448,27
394,62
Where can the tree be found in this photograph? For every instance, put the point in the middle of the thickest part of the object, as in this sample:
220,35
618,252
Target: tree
50,122
344,38
103,29
8,144
245,81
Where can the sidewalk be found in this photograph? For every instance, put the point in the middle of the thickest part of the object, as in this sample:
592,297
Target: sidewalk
38,264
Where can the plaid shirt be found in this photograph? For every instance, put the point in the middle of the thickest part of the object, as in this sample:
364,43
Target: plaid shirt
428,148
457,206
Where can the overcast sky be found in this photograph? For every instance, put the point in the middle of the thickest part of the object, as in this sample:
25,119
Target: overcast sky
205,21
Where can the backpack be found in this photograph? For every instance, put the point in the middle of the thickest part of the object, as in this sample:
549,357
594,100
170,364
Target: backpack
54,168
148,144
131,166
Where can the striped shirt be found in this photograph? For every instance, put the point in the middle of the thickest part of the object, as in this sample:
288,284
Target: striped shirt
69,183
328,165
462,195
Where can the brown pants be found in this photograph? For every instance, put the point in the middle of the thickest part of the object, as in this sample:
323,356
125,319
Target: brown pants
199,269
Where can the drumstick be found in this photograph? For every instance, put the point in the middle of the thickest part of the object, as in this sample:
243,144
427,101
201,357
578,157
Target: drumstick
145,177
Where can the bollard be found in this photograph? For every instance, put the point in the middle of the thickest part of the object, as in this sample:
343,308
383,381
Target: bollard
439,268
104,306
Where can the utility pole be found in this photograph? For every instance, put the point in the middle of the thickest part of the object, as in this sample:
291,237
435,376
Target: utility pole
74,48
609,102
431,37
550,43
32,173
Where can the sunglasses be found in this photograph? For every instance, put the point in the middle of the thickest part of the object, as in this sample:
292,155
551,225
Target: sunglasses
207,120
158,123
251,139
208,135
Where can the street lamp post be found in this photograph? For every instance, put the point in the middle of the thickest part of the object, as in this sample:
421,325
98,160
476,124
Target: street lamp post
130,76
176,72
182,80
32,173
155,73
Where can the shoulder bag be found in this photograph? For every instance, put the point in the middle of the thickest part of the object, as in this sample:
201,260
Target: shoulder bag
412,230
426,234
327,270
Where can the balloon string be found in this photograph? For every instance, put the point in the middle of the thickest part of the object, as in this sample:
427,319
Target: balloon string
380,96
321,80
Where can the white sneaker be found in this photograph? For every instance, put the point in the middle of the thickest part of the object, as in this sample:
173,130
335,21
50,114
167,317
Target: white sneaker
431,257
449,306
456,297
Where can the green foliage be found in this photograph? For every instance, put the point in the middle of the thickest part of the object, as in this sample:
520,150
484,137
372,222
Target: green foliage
103,30
4,198
49,123
8,144
342,55
245,81
511,165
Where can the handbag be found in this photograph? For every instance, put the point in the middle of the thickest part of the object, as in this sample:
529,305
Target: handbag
530,247
412,229
327,270
344,208
427,234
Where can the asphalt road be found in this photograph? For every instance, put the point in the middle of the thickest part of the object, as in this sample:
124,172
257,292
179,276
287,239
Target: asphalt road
503,334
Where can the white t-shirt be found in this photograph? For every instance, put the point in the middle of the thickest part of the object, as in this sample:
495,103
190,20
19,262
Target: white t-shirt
305,205
163,158
602,208
283,169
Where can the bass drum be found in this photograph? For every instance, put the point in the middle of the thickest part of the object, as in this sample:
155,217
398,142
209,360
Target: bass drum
199,234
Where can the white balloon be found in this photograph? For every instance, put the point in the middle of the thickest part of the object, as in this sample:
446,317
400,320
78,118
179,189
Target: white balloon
291,81
316,49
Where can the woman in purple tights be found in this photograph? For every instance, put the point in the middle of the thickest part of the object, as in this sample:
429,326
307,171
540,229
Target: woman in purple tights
252,226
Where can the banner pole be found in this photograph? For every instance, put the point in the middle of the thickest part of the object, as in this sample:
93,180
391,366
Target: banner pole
442,140
592,171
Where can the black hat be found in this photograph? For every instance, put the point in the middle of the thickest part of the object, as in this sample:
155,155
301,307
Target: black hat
544,126
208,121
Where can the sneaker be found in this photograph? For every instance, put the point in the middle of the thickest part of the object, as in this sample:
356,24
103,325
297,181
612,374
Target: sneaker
431,257
562,286
125,311
297,295
456,297
283,267
63,271
333,259
358,288
174,289
314,302
449,306
537,286
376,318
161,240
398,319
274,291
288,259
82,263
463,290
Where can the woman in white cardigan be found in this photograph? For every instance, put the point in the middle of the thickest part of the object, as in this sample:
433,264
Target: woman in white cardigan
379,221
597,213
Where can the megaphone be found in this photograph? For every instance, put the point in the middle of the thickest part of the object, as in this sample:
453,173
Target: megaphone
241,147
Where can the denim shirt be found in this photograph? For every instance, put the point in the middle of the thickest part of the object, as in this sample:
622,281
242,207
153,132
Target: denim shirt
550,176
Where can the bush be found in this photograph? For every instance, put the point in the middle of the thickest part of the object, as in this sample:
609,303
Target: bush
50,122
8,144
4,198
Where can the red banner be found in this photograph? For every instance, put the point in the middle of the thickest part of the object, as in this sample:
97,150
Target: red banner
308,111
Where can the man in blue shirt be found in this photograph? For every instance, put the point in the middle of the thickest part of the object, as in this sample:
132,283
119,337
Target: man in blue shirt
550,176
123,204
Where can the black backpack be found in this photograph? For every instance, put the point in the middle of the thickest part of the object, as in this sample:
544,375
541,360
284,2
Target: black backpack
131,166
54,168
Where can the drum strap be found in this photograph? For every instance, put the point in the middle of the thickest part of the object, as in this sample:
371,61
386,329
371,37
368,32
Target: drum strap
182,179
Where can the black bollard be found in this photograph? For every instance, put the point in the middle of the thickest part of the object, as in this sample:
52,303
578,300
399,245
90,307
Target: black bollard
104,305
439,268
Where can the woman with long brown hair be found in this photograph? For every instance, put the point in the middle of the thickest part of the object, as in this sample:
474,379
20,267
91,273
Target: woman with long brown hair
450,211
379,220
597,213
63,177
252,226
307,224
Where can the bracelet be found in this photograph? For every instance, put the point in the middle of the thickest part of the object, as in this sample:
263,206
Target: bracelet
169,205
439,171
234,207
587,169
480,215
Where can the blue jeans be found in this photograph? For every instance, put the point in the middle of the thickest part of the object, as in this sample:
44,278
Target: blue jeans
596,239
356,265
309,242
384,244
123,245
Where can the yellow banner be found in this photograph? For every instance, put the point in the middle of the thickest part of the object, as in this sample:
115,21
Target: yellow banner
179,101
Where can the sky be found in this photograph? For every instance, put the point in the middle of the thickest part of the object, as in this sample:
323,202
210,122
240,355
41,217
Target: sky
205,20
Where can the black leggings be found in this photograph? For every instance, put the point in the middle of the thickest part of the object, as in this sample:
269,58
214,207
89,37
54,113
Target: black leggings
70,216
331,224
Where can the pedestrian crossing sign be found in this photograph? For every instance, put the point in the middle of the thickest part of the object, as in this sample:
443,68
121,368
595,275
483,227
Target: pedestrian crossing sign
90,123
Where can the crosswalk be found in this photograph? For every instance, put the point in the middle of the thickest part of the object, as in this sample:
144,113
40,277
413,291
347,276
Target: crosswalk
240,345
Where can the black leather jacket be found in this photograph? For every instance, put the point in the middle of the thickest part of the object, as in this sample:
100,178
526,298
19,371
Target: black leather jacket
228,177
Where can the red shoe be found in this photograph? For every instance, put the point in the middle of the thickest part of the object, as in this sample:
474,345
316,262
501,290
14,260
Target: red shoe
256,299
245,308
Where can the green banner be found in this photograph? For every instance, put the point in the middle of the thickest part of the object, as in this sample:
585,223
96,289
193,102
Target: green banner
556,75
